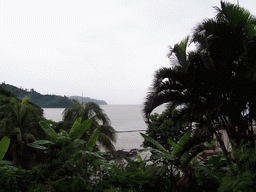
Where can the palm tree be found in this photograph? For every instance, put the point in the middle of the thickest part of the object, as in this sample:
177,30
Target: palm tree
229,41
215,83
99,120
19,120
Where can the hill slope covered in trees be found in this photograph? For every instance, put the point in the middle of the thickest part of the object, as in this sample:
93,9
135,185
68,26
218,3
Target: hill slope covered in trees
46,101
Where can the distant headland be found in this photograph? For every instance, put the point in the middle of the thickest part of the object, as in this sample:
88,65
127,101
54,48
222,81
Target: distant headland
48,101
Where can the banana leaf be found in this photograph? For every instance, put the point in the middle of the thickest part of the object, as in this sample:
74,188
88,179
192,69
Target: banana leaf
4,144
91,143
78,130
183,140
175,146
50,131
158,145
63,132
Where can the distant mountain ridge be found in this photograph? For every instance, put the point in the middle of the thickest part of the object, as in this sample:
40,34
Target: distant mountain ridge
47,101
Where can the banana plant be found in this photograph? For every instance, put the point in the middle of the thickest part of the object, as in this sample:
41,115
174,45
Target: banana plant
161,152
63,139
182,152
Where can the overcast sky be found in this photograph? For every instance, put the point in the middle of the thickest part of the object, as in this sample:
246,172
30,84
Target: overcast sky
105,49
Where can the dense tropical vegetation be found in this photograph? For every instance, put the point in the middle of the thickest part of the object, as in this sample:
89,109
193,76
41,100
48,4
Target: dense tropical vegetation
214,85
209,91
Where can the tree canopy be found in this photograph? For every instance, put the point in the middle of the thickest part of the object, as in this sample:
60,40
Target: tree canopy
213,85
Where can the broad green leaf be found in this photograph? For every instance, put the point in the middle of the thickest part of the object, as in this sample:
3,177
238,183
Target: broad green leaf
91,143
78,130
76,124
184,138
184,157
175,147
158,145
63,141
4,144
50,131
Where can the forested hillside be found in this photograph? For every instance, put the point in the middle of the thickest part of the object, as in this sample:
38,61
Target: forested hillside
44,101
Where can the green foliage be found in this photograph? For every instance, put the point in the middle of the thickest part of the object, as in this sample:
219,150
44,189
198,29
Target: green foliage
99,120
209,174
78,129
178,152
213,85
243,175
50,131
92,142
163,127
19,121
4,144
69,161
63,139
133,176
44,101
161,152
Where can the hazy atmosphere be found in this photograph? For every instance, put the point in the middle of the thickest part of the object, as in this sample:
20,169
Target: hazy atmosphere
105,49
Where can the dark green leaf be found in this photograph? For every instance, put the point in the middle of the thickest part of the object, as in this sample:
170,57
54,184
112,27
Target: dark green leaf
50,131
4,144
78,130
158,145
91,143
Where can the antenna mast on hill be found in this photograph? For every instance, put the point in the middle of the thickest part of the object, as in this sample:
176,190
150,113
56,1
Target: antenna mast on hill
82,98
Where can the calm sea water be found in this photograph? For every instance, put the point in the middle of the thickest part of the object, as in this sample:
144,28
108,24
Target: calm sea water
123,118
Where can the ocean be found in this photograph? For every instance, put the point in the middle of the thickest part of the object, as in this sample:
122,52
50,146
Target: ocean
123,118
